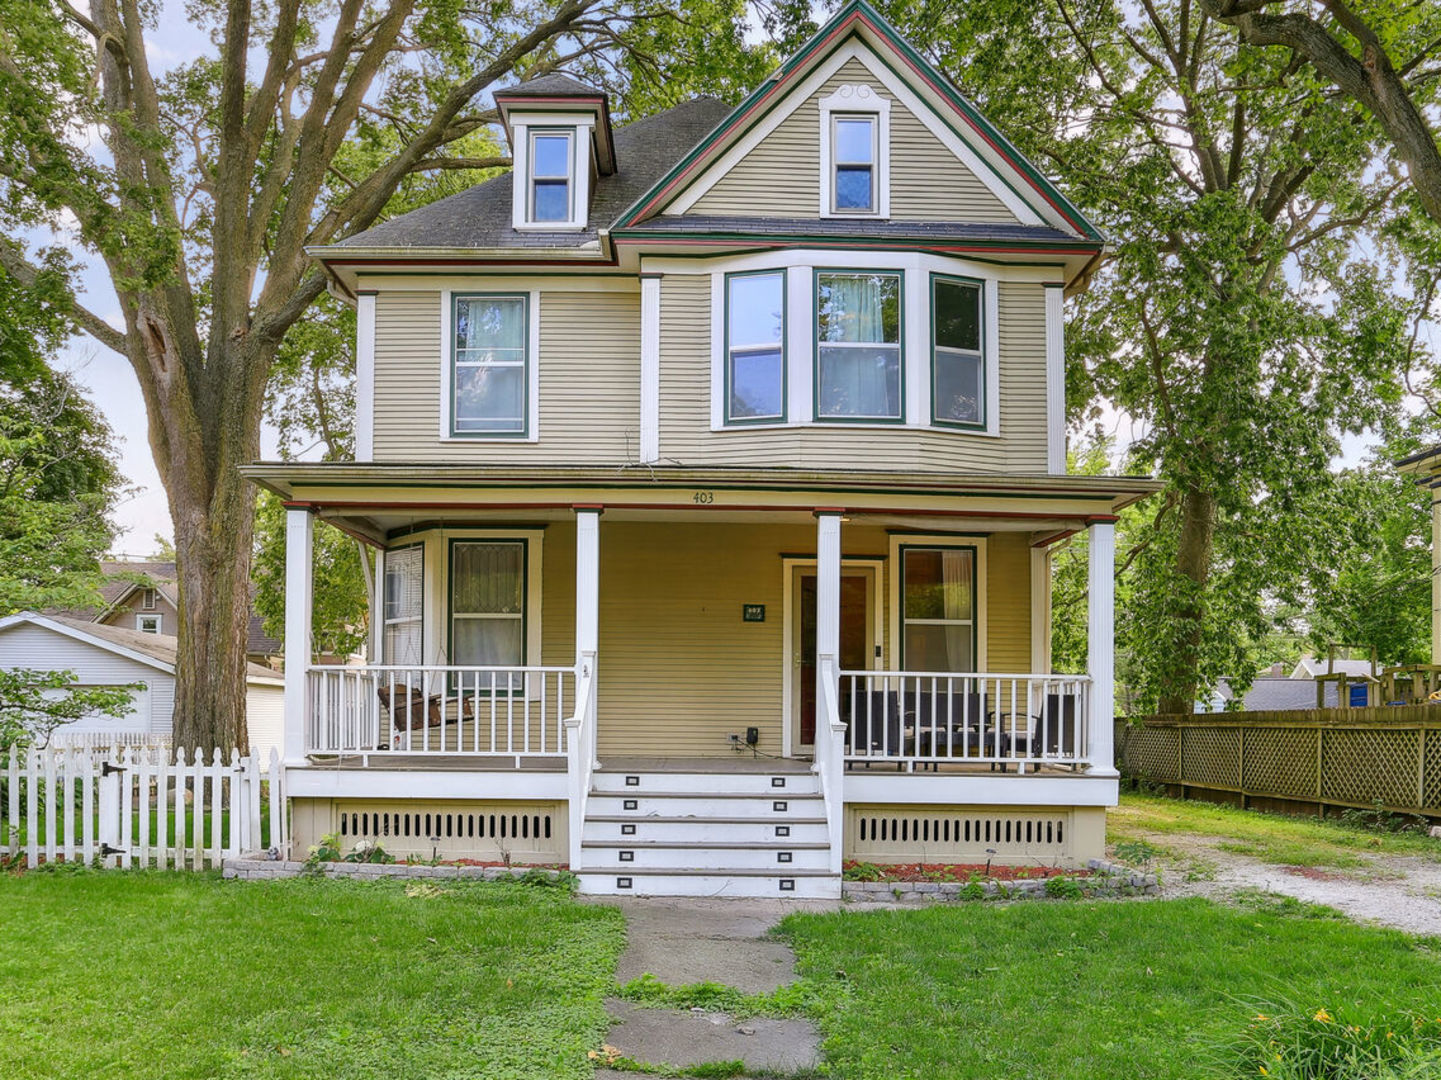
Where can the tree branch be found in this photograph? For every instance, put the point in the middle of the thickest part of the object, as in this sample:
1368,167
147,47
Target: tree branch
13,261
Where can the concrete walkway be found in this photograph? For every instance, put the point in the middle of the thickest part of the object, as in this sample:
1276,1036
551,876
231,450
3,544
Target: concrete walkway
684,941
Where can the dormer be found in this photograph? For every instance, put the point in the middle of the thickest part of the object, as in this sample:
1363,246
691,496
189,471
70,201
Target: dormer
560,140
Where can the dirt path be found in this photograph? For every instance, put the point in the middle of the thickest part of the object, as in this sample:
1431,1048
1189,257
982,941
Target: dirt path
1403,892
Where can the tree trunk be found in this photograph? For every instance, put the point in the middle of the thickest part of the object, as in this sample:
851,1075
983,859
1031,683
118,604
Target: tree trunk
1193,567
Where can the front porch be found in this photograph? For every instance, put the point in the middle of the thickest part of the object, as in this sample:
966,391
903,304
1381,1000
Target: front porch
534,644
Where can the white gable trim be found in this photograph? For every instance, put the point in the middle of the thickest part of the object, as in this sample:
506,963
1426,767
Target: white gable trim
33,619
856,50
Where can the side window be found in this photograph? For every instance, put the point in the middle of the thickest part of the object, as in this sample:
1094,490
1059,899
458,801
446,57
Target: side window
858,346
938,609
489,361
403,605
958,380
551,161
755,368
853,161
148,624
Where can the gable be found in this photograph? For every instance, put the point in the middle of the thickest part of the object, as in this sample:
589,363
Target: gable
780,175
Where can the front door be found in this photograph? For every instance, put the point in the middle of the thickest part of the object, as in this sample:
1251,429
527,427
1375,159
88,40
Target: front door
857,642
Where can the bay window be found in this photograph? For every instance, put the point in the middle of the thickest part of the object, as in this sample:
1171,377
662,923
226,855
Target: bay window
957,362
858,345
403,605
489,377
938,608
755,369
487,603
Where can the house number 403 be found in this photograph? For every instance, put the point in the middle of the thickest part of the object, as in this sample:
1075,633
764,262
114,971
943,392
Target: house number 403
704,496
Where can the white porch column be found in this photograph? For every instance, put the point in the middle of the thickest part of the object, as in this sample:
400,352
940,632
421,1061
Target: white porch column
1101,661
828,589
587,580
299,582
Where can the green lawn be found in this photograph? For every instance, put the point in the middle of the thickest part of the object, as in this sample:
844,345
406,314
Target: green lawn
139,975
1282,839
1088,991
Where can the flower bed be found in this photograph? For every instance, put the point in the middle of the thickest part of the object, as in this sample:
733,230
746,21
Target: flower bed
947,872
921,882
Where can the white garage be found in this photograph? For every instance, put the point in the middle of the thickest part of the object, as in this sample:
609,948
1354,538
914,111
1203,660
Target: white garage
101,655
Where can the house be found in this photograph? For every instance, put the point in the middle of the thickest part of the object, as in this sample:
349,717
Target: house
712,464
1276,691
102,654
143,595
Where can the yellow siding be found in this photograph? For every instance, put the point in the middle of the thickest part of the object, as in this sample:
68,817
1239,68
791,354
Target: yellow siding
557,596
1008,603
686,437
589,382
781,176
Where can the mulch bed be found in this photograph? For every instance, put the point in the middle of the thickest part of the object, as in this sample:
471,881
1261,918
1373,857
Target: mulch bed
955,872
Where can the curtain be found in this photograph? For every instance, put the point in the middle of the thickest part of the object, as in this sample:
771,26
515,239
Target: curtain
956,596
856,309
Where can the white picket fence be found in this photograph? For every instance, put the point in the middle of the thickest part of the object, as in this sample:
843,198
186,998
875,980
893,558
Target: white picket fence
140,806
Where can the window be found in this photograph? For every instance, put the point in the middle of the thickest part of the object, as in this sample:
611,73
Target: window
957,363
147,600
858,338
550,172
853,157
403,605
148,624
755,346
488,365
938,608
487,603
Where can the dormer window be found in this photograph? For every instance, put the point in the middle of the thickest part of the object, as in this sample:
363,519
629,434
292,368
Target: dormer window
551,168
854,157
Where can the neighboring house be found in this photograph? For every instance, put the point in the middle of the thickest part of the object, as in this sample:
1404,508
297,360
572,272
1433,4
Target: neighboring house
144,596
99,654
729,443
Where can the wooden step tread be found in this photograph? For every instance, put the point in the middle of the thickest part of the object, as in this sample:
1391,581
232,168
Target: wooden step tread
631,819
627,870
629,843
778,794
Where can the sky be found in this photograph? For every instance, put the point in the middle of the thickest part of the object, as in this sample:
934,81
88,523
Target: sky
107,377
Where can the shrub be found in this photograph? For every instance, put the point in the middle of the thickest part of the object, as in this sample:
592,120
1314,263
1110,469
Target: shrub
863,871
1063,888
1291,1043
1136,852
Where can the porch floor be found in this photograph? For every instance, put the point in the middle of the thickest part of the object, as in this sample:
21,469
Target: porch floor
737,763
436,762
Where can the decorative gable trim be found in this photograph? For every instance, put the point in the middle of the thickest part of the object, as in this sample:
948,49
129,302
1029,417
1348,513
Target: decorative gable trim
858,18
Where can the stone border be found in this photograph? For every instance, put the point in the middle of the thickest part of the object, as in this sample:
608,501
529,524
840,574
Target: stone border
1108,880
258,868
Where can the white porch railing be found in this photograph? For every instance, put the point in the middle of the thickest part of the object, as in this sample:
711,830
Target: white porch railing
931,718
580,745
438,710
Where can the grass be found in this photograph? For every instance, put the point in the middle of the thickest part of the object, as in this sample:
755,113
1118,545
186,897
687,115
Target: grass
1281,839
1088,991
150,974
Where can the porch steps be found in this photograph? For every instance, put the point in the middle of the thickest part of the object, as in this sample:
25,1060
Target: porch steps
706,832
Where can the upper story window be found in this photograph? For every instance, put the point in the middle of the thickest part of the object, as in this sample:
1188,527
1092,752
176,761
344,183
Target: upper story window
858,345
552,165
148,624
958,366
147,600
755,360
853,157
489,365
855,140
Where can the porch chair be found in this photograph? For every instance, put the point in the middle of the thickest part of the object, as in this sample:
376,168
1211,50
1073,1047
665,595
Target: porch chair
875,725
946,722
1053,733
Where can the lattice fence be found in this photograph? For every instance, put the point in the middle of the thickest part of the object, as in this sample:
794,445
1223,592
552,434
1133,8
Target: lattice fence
1341,757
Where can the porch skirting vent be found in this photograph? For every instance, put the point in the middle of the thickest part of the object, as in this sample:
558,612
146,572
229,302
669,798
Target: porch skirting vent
964,834
517,832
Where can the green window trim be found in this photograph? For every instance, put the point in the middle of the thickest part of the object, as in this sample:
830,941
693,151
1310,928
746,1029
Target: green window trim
450,546
983,424
816,417
975,599
727,365
523,433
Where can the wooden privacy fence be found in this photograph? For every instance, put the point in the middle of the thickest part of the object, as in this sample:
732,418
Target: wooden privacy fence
140,806
1326,757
